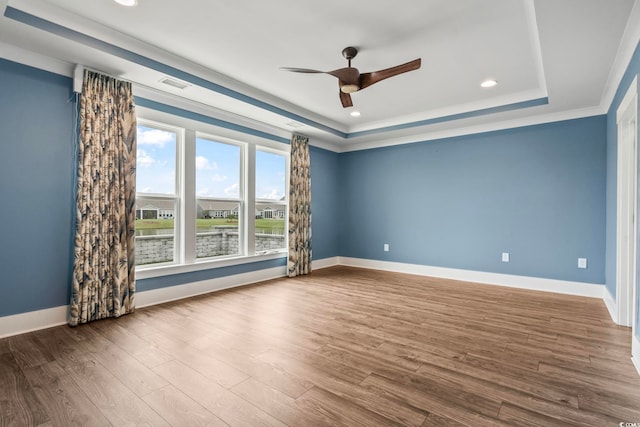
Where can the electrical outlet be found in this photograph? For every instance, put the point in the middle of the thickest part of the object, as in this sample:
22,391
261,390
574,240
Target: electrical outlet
582,263
386,247
505,256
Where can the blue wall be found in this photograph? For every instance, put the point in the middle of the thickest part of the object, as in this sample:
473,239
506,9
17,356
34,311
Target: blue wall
325,190
37,179
536,192
212,273
36,188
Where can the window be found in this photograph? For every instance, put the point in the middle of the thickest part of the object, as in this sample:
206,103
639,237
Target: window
218,198
156,194
203,198
271,201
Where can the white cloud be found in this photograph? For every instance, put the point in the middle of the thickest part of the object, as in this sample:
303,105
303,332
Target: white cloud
143,159
203,192
202,163
146,190
219,178
155,137
232,190
273,195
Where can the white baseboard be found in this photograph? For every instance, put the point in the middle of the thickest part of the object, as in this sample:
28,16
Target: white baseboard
635,353
610,302
172,293
42,319
33,321
513,281
318,264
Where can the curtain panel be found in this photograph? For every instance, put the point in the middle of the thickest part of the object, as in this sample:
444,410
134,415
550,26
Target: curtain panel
299,208
103,283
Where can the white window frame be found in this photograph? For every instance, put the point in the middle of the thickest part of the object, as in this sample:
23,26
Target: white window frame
177,195
285,202
242,195
185,258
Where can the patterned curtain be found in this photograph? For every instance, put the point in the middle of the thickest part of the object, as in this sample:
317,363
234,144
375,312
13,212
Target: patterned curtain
300,208
104,269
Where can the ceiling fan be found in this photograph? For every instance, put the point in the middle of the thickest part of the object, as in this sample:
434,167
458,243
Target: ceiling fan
351,80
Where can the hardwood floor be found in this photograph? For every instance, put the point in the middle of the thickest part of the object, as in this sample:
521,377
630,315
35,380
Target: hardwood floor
342,346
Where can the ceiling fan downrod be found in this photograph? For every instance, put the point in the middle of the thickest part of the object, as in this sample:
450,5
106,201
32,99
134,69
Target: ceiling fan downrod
349,53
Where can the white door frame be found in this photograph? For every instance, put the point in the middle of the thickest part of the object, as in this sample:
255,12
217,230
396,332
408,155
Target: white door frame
626,239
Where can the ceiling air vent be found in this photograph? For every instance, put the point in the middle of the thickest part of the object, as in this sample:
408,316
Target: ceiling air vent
174,83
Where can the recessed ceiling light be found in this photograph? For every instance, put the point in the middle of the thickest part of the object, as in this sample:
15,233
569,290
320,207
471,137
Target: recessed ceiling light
489,83
355,114
127,2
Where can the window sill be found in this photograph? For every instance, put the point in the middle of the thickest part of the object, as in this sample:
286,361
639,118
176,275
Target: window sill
147,272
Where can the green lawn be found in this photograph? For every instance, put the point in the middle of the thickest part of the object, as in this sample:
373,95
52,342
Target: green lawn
274,224
149,224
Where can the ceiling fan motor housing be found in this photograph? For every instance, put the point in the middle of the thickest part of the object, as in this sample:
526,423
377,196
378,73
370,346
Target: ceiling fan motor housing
349,79
349,53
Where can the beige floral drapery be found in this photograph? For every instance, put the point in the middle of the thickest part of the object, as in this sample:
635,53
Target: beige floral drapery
103,283
300,208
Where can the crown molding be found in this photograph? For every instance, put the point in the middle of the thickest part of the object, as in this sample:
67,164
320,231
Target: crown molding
628,45
100,38
59,67
535,42
475,129
35,60
337,140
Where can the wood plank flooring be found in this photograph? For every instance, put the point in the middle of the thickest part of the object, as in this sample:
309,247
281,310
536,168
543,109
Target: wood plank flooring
342,346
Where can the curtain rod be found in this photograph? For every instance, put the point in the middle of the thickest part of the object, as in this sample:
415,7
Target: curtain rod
78,76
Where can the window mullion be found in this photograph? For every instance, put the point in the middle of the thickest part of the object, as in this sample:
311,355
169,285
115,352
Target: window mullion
250,200
189,197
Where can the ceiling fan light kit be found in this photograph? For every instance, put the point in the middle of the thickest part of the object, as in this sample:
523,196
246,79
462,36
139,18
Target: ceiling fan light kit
350,80
346,88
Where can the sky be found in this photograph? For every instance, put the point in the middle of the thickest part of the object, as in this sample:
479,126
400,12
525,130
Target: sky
217,167
155,168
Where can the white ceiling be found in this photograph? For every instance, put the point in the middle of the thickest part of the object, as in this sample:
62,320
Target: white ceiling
553,58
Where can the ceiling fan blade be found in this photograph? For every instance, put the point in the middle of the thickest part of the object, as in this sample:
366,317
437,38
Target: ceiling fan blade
303,70
367,79
348,75
350,80
345,98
